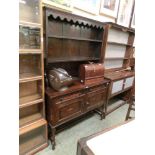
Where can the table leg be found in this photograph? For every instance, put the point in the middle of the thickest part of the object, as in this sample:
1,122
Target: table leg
52,137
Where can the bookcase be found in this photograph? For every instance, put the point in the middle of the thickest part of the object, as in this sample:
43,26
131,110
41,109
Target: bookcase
118,50
71,41
118,45
32,123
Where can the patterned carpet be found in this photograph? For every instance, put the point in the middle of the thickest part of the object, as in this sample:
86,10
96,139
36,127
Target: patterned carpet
66,141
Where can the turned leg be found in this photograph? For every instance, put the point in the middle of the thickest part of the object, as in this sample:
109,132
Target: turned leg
103,112
52,137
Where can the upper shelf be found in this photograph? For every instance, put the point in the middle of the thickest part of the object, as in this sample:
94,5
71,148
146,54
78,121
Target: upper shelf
74,38
117,43
73,59
30,51
29,77
115,58
30,24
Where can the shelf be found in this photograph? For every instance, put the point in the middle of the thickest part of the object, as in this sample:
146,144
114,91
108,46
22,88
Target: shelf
29,24
29,77
115,106
30,100
29,119
116,43
30,51
115,58
73,59
32,126
74,38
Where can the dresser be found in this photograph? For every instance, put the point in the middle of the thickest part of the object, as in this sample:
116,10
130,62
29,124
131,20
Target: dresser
80,99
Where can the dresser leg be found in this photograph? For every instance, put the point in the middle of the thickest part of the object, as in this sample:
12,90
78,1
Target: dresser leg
52,136
103,113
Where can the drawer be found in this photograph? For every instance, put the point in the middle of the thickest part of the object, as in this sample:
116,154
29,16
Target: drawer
103,86
33,140
69,108
66,97
96,98
117,86
128,82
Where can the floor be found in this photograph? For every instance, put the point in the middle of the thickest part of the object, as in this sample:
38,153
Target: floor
66,141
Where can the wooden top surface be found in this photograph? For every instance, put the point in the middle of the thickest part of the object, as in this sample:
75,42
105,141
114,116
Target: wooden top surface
120,27
77,86
118,75
85,143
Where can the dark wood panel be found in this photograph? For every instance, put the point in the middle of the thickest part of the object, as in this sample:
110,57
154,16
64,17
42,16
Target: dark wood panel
55,27
71,30
55,48
96,98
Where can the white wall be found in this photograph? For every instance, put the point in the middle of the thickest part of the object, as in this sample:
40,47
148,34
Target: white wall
79,12
98,17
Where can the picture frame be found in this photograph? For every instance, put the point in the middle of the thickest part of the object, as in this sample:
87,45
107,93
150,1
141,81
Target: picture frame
66,5
89,6
124,12
109,8
133,19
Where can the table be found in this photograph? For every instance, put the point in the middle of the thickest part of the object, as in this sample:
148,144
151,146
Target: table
114,140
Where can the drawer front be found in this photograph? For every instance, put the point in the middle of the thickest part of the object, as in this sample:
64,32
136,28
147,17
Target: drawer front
66,97
96,98
128,82
99,87
69,108
117,86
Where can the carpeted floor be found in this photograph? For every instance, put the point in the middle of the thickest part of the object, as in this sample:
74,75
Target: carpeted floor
66,141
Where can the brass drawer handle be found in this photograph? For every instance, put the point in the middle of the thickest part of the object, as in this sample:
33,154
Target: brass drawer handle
61,99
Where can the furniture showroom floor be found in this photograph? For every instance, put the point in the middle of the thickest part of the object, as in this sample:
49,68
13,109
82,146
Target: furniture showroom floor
66,140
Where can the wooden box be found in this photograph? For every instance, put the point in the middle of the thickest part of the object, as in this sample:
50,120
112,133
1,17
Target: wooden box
91,72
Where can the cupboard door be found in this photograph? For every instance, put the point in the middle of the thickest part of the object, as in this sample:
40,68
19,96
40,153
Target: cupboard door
29,65
96,98
69,108
117,86
128,82
29,38
29,11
